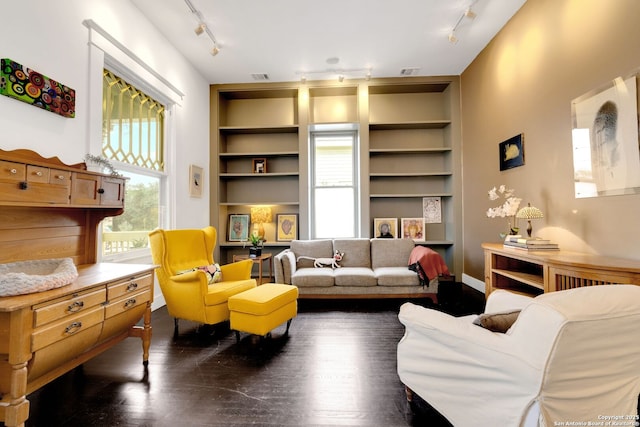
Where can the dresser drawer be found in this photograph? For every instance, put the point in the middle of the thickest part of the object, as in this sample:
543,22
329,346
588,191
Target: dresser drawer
76,303
37,174
127,302
12,171
129,287
66,327
58,177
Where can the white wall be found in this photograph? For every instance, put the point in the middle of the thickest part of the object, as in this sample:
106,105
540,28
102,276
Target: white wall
50,38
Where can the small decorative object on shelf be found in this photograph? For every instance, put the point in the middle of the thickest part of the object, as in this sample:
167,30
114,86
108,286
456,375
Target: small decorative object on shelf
98,164
257,243
507,210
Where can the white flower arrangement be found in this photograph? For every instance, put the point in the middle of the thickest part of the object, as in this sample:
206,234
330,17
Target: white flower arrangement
508,209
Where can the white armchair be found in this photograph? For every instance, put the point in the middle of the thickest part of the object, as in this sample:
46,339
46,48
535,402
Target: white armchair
570,356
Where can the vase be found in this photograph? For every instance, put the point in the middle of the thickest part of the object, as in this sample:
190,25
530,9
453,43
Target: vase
255,252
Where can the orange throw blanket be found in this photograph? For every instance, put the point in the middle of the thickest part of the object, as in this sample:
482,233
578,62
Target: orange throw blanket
427,263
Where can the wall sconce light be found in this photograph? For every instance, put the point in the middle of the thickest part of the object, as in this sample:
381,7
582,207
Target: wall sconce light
529,212
260,215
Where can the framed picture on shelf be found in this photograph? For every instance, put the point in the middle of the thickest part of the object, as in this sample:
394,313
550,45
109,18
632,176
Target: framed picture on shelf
432,210
238,228
287,227
196,180
259,165
511,152
412,228
385,228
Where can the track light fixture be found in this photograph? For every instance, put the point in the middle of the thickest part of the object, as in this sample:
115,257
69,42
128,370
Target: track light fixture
469,14
341,73
203,28
200,29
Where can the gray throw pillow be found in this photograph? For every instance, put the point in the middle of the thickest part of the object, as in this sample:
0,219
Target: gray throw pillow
497,322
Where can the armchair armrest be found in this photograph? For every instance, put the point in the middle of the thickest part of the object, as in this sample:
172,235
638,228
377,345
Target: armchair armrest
452,364
502,300
240,270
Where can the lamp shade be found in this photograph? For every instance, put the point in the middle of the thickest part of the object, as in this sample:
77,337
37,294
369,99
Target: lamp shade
529,212
261,214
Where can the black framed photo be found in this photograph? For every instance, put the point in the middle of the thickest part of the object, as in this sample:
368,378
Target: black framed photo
511,152
238,227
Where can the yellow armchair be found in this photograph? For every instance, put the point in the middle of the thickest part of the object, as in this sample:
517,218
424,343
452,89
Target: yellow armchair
189,295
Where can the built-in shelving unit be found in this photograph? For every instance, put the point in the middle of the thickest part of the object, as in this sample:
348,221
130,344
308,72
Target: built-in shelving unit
409,141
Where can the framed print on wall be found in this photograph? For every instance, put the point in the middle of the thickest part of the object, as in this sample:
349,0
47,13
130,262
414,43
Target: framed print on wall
196,181
385,228
412,228
511,152
287,227
238,227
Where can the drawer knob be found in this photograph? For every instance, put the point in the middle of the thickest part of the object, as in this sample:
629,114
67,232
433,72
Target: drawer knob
24,185
73,328
13,171
39,173
76,306
100,190
60,177
130,303
132,287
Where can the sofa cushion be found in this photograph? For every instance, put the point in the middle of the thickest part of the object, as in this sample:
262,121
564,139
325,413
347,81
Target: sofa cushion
396,276
305,277
311,249
390,252
357,252
354,276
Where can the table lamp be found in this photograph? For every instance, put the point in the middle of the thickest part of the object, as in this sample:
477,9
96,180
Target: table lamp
529,212
260,215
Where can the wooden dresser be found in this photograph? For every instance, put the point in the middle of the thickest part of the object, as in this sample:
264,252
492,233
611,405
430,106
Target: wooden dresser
52,210
535,272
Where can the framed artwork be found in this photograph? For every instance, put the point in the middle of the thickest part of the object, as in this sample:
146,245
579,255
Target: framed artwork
511,152
432,210
606,155
412,228
196,181
259,165
238,227
385,228
287,227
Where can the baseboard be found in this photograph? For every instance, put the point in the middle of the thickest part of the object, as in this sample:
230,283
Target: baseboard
472,282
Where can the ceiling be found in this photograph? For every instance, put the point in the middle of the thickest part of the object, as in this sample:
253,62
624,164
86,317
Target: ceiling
286,39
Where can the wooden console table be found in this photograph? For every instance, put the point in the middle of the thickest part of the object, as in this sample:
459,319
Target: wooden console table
52,210
535,272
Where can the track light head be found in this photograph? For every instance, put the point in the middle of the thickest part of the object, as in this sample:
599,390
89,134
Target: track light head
452,37
200,29
215,50
469,13
303,79
341,78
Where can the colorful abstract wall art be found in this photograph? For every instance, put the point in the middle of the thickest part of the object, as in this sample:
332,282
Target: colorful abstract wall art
27,85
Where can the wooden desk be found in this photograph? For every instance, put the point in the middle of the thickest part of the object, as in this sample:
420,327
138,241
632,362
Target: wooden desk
535,272
259,260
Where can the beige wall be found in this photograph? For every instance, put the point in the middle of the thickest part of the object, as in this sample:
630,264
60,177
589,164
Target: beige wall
551,52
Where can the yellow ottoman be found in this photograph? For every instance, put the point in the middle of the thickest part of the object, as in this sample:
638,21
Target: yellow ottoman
261,309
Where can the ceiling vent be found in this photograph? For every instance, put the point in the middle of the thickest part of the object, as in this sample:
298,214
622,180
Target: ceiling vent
412,71
260,76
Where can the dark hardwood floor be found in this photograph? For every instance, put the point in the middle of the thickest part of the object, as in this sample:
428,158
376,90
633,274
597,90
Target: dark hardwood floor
337,367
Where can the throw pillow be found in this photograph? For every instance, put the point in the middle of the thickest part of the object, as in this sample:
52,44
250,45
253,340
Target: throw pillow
497,322
213,272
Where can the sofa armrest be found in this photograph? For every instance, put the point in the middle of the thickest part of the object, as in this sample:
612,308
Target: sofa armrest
285,266
502,300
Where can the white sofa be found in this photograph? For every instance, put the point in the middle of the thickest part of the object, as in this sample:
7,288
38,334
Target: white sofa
571,356
370,268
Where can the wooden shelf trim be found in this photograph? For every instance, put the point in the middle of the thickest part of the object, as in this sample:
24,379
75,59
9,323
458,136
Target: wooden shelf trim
406,195
407,174
286,128
421,124
526,278
409,150
261,154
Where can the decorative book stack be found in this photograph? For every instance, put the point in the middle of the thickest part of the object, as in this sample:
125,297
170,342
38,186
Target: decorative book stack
529,244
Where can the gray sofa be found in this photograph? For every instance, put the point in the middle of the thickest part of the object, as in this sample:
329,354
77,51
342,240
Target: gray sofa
370,268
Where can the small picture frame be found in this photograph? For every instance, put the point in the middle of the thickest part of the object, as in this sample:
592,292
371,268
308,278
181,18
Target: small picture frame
259,165
432,210
511,152
385,228
238,228
412,228
196,181
287,227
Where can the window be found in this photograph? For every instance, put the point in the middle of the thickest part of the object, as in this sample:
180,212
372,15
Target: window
334,182
133,136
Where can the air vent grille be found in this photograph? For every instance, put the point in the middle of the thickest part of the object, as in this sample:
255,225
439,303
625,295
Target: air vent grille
411,71
260,76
